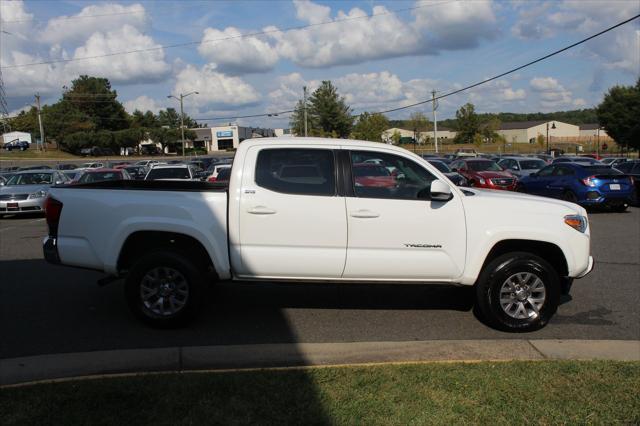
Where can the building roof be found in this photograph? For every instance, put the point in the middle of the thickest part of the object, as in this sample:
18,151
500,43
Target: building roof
515,125
589,126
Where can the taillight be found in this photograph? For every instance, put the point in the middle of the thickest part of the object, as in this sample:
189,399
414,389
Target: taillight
589,181
52,211
211,179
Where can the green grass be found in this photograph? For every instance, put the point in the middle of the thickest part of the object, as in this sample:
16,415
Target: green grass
32,154
548,392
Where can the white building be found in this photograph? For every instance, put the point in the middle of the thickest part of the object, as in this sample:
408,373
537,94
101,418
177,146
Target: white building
444,134
15,136
222,138
528,131
283,132
591,131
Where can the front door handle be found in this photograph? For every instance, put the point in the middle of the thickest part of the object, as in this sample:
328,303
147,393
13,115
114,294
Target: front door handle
364,214
260,210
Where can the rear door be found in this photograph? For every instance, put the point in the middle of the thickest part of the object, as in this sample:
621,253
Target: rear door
395,231
292,220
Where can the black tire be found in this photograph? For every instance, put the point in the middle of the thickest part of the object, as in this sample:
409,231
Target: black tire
189,275
502,269
520,188
570,196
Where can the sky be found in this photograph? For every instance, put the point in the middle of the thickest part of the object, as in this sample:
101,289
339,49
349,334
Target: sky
379,54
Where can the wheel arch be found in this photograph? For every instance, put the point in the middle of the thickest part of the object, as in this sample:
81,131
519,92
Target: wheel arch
543,249
140,243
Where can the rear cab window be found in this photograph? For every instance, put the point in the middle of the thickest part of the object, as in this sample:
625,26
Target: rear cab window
300,171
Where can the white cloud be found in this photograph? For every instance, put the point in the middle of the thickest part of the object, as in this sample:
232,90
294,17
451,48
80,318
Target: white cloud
80,26
148,66
142,103
44,79
370,89
237,55
215,89
513,95
552,94
351,40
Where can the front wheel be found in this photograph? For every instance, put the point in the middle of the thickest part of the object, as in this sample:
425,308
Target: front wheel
518,292
570,196
165,289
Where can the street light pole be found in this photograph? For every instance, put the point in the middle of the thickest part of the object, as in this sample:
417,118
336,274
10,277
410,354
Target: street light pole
305,110
553,126
182,114
434,107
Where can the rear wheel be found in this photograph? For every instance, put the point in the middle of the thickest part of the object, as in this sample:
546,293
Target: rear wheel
620,208
518,292
165,289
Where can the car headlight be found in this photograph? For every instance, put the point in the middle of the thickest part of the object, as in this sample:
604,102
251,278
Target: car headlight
577,222
39,194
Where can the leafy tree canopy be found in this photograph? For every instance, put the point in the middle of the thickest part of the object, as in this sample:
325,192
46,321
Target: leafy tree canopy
327,114
369,127
619,114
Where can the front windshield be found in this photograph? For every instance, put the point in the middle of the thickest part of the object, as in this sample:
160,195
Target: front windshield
440,166
484,166
169,173
30,179
99,177
532,164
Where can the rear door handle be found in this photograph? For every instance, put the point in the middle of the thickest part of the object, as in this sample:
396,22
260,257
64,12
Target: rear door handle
364,214
260,210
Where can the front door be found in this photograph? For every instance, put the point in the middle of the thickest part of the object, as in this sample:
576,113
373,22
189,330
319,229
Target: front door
539,184
292,221
395,231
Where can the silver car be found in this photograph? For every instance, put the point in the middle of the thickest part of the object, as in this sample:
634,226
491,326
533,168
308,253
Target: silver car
26,191
522,166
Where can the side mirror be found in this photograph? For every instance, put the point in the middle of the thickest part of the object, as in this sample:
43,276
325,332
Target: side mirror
440,191
58,182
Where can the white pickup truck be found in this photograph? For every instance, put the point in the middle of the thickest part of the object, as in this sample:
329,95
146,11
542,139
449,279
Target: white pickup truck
311,209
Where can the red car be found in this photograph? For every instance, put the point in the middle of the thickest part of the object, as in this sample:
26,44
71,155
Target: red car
482,173
373,175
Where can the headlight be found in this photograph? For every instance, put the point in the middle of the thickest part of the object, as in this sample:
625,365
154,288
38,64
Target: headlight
577,222
38,194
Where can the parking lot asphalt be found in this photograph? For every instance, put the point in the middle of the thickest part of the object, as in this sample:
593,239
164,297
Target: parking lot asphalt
46,309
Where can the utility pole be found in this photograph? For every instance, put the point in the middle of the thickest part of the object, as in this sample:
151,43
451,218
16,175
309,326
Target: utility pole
304,90
40,121
434,107
182,114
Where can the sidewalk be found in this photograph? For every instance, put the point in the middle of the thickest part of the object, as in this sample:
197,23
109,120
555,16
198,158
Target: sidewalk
180,359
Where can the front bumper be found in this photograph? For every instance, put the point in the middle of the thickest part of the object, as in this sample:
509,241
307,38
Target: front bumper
588,270
50,249
35,205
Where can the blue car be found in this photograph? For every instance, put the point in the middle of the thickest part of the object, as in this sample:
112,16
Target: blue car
587,185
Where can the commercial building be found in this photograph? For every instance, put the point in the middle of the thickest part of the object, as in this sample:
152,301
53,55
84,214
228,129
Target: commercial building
528,131
222,138
16,136
444,134
593,130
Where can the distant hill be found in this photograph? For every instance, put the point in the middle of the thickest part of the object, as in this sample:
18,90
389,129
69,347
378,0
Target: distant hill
578,116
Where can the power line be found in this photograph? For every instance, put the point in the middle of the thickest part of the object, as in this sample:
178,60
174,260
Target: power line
252,34
511,71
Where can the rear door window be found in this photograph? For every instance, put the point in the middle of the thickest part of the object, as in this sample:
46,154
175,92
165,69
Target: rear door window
297,171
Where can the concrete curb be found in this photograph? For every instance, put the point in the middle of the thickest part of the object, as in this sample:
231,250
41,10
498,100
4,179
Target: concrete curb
59,366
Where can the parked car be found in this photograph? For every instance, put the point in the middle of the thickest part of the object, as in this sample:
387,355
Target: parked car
25,168
521,166
16,145
632,169
86,166
481,173
546,157
366,174
587,185
96,151
224,175
101,175
216,168
466,152
171,172
72,175
4,177
147,163
614,161
169,240
454,177
66,166
137,172
579,160
25,191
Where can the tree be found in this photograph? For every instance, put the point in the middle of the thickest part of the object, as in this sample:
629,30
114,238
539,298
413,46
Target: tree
468,124
93,97
540,139
297,119
147,119
328,113
618,114
490,129
369,127
477,140
396,136
419,124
